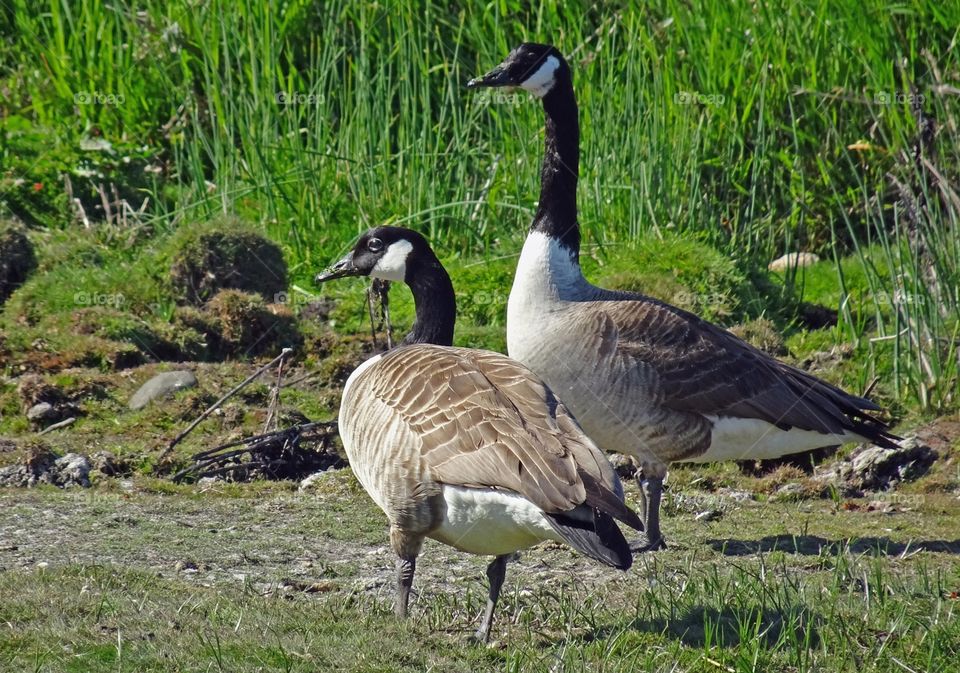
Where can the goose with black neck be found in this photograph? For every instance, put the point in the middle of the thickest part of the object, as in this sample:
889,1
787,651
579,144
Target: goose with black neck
467,447
645,378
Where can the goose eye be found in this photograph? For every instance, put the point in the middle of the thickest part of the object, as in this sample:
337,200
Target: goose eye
374,245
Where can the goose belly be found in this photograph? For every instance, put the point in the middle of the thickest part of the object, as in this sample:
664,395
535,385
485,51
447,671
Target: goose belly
751,438
490,522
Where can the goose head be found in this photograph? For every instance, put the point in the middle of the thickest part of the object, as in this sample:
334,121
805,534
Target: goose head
388,253
534,67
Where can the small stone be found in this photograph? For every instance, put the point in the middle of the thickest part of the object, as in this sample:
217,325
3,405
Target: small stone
708,515
793,260
160,386
43,412
312,480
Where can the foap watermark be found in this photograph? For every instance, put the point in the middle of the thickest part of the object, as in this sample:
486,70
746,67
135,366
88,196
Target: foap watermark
700,299
112,299
898,298
481,298
698,98
98,98
293,300
901,500
298,98
898,98
500,97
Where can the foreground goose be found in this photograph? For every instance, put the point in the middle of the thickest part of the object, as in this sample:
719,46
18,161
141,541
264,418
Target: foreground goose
467,447
643,377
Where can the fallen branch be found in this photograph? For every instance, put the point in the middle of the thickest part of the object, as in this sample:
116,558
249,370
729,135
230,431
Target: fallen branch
216,405
275,454
57,426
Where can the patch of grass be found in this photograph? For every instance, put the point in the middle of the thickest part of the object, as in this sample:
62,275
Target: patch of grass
754,130
257,577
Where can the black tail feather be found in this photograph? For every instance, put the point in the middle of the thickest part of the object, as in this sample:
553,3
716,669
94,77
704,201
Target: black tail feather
595,535
604,500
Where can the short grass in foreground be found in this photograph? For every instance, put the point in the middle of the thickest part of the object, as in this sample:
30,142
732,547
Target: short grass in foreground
261,578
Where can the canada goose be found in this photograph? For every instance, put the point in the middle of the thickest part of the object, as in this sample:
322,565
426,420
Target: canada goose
642,377
465,446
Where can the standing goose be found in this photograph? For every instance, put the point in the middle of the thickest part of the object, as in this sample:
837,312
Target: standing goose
642,377
467,447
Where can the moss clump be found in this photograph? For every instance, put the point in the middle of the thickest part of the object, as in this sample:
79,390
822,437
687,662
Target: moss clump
246,325
680,271
225,254
156,340
17,258
33,389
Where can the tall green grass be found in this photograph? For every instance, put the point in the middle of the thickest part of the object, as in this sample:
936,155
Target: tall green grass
756,127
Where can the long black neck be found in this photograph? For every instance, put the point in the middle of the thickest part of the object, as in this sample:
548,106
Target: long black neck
436,305
557,213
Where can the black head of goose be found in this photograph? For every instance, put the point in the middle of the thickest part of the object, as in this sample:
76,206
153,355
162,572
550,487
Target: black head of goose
466,446
645,378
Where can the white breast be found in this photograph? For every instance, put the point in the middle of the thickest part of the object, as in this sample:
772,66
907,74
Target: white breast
547,278
491,522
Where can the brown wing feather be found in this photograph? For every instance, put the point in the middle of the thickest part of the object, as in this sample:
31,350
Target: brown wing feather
702,368
485,420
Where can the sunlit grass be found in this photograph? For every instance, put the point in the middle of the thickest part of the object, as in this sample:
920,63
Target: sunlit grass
755,128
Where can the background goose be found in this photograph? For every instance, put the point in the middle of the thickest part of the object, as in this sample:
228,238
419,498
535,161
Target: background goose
643,377
465,446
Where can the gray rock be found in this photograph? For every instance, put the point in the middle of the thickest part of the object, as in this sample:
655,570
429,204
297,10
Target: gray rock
160,386
72,469
43,412
14,475
874,468
878,469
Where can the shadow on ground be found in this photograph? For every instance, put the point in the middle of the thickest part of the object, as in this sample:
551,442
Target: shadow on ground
812,545
704,626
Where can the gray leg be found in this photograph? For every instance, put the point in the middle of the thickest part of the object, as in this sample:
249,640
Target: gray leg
650,492
405,569
496,571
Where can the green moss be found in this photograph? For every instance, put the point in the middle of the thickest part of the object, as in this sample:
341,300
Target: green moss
225,254
680,271
247,326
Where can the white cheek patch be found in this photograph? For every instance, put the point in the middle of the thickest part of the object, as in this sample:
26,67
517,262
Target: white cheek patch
540,82
393,264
